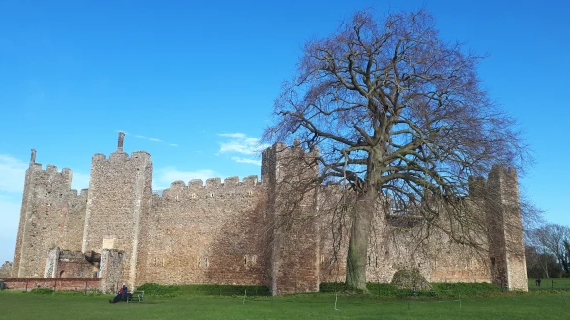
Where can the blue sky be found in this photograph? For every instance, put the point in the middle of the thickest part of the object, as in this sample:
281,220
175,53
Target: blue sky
193,82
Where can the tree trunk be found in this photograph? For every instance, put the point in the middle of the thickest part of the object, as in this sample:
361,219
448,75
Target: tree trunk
358,243
545,269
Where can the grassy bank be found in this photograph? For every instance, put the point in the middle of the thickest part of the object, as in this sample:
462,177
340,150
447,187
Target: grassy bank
189,304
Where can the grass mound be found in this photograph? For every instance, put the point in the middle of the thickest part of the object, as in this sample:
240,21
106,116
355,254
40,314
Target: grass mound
467,289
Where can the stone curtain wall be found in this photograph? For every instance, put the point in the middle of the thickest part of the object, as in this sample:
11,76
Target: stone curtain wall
244,232
74,223
52,215
205,234
396,244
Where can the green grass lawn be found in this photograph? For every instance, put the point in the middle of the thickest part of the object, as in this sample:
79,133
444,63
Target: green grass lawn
549,283
538,305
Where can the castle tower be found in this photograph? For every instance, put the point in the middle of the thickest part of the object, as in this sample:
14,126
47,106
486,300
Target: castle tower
290,176
506,246
119,194
51,215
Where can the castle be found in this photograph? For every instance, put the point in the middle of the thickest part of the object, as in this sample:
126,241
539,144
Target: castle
234,232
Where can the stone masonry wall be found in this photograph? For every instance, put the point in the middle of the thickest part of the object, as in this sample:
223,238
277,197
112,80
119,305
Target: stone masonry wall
205,234
246,232
290,174
112,270
508,263
57,284
395,246
67,264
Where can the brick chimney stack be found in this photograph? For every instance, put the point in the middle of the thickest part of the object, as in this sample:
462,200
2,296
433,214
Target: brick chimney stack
121,140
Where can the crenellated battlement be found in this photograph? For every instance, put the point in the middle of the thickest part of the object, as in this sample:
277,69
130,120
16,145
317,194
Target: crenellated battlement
213,188
294,158
81,194
37,175
477,187
121,156
50,169
215,183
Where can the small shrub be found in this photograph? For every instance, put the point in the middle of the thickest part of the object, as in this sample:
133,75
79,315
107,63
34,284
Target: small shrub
155,289
332,287
42,291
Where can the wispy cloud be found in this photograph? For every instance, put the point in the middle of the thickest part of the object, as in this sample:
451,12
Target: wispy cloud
164,177
149,138
240,143
12,172
246,160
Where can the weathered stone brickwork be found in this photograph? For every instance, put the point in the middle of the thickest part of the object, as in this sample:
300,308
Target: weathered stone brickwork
119,194
67,264
292,214
205,234
69,284
508,264
112,272
246,232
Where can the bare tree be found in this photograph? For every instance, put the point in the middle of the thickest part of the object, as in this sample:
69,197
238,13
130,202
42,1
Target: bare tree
553,239
396,113
541,263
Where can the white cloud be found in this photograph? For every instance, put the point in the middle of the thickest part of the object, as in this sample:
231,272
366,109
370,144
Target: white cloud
239,143
233,135
246,160
12,173
153,139
165,176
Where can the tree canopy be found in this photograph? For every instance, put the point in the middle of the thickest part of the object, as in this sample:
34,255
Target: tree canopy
396,112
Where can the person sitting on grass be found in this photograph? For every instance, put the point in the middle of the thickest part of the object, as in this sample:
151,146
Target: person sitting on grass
121,295
124,292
